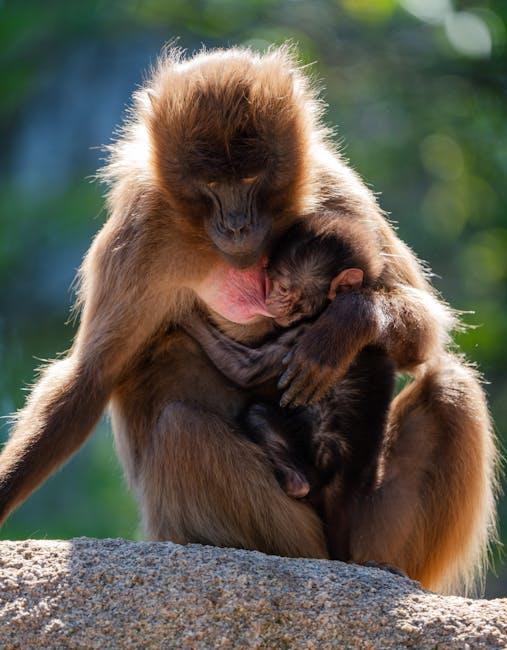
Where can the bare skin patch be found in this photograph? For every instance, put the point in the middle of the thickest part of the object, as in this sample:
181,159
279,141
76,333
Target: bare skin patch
237,294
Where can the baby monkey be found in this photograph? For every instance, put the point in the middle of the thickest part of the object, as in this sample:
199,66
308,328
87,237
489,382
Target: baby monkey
342,435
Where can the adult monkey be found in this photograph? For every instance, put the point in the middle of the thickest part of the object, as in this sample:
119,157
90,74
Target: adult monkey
222,152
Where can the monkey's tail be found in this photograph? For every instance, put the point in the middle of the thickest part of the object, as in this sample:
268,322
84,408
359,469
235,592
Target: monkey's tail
459,526
434,515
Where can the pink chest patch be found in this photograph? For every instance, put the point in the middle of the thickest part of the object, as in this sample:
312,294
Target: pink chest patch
239,295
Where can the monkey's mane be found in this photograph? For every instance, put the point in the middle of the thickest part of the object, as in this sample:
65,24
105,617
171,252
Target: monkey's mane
224,112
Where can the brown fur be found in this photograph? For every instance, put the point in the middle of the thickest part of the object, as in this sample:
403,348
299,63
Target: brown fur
228,481
434,513
344,432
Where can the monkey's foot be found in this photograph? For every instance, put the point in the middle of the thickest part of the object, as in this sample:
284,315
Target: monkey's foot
295,484
385,567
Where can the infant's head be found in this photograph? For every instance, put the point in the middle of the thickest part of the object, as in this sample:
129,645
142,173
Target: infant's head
305,272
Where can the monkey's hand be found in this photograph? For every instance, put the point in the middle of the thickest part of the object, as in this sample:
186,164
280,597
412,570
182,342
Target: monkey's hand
248,367
265,362
324,353
328,454
311,372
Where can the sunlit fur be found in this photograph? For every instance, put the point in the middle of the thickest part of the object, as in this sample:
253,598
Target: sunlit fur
303,266
194,122
196,479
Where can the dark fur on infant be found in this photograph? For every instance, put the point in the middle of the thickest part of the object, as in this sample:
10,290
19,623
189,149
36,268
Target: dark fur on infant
341,437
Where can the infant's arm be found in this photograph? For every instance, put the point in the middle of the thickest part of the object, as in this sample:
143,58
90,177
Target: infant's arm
245,366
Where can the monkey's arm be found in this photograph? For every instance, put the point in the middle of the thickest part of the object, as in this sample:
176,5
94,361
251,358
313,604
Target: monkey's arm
328,348
120,311
410,324
245,366
403,315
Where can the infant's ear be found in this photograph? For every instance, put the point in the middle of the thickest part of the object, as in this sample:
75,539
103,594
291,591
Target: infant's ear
347,280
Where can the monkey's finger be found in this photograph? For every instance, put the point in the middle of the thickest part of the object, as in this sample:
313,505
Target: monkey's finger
304,397
314,390
288,357
287,376
291,394
293,390
297,392
296,485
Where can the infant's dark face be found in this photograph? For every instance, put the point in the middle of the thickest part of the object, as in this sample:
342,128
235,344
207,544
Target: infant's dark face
290,299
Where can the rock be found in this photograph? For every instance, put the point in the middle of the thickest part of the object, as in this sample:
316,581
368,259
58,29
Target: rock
88,593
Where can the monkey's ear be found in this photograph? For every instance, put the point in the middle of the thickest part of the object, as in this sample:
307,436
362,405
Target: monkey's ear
347,280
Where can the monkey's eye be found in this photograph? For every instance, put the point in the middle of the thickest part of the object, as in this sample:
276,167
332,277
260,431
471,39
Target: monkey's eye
249,180
283,289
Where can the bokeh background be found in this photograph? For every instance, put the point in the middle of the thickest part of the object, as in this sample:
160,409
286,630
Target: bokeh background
416,88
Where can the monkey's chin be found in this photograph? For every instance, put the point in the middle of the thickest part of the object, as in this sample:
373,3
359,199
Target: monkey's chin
241,261
245,254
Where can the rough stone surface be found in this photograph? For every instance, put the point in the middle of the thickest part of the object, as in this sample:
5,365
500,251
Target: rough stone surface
117,594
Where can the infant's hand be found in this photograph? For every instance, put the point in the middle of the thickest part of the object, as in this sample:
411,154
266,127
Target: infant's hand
323,354
313,366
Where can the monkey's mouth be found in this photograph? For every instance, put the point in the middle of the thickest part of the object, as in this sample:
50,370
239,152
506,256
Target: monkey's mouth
275,309
285,319
242,252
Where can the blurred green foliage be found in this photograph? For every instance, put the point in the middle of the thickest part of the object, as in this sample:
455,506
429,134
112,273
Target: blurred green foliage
416,89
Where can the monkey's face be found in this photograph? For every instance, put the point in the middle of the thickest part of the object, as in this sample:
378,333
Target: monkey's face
289,300
233,221
228,135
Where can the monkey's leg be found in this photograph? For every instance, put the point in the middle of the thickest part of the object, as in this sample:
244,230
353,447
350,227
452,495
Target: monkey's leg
201,482
353,428
434,514
270,431
354,417
198,479
348,444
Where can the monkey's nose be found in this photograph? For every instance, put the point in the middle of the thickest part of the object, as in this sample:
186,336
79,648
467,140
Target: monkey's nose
238,231
237,225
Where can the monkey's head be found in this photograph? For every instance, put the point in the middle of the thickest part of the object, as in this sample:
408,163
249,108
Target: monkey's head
290,299
306,272
229,132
